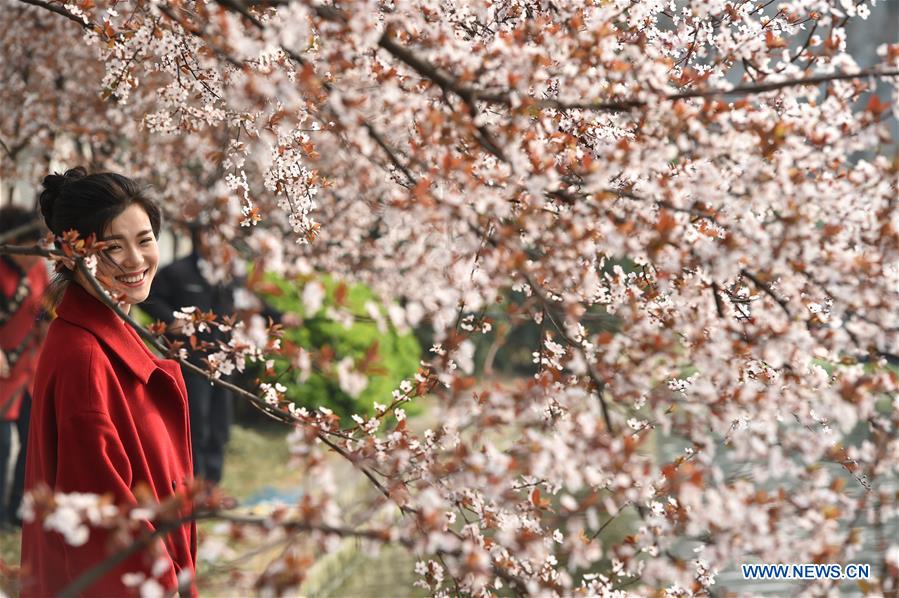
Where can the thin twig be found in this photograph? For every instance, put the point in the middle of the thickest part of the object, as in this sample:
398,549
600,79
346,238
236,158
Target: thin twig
597,380
86,579
391,155
763,286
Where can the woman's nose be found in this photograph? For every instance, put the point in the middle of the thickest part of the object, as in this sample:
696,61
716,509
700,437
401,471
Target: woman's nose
133,257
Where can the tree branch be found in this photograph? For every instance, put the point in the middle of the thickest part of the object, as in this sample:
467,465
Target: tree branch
763,286
391,155
60,11
448,82
804,82
598,382
87,578
6,149
242,10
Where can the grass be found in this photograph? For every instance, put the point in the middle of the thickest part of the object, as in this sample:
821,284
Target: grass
10,546
255,459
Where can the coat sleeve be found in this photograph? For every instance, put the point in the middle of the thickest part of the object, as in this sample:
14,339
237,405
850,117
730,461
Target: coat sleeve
91,459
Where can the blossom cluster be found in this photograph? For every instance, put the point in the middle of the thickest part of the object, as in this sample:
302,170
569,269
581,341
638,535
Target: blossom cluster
689,201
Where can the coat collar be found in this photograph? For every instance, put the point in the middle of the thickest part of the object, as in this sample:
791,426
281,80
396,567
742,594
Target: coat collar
82,309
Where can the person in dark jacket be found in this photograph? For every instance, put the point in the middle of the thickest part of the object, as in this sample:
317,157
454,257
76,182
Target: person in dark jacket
182,284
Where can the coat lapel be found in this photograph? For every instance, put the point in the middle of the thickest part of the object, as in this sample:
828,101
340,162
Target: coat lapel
80,308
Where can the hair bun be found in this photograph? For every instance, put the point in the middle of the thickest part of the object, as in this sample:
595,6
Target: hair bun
53,186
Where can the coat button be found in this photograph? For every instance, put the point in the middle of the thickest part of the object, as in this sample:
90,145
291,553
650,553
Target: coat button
174,484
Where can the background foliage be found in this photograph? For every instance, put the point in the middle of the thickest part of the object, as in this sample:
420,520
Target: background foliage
377,349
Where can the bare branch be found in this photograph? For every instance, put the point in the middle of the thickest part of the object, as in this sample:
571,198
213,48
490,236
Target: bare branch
391,154
242,10
6,149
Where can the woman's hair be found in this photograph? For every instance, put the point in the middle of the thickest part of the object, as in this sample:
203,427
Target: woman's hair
87,203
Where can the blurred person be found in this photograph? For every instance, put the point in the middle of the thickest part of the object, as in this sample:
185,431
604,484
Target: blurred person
190,281
109,417
23,279
180,284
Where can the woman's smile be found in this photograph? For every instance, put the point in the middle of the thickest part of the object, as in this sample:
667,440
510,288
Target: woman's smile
133,280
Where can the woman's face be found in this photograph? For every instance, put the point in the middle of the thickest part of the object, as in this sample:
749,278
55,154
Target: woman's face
131,256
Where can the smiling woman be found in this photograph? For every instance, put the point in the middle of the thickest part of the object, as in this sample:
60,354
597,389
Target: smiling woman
115,209
109,417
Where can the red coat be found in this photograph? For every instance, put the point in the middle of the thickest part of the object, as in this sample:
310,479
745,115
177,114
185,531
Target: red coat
20,333
108,416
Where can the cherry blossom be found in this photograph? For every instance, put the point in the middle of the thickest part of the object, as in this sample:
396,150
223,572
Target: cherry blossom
691,201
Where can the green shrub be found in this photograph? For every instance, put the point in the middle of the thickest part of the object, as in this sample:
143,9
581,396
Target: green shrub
385,355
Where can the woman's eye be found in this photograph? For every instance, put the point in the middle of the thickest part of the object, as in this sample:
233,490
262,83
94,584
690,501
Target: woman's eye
113,247
145,241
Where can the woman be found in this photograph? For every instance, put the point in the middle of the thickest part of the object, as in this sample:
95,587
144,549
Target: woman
108,417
